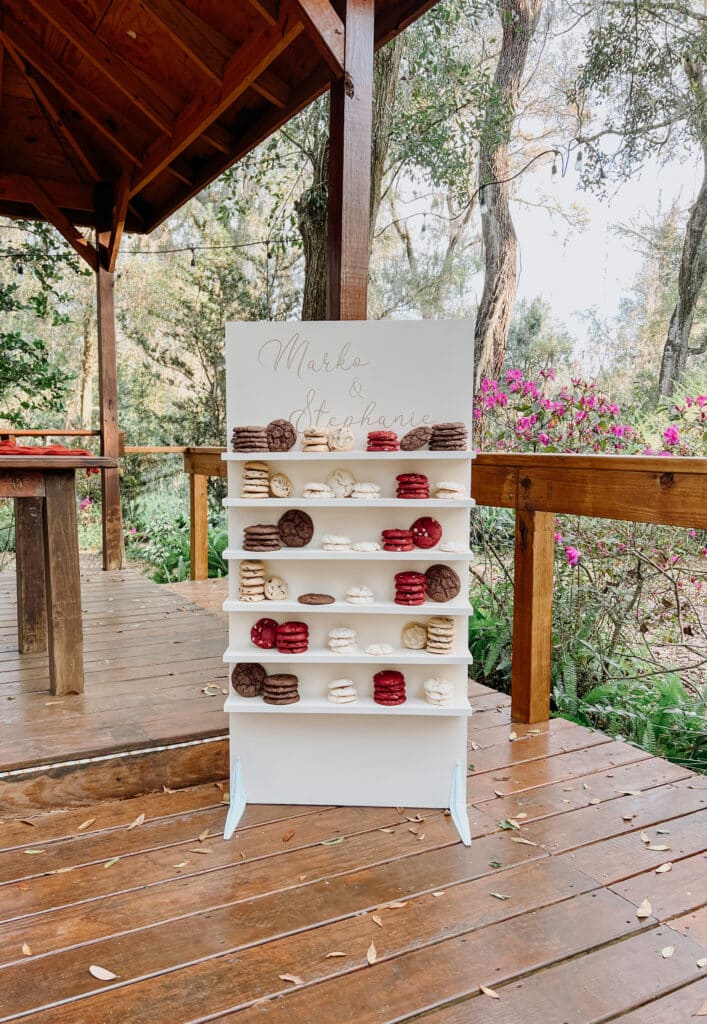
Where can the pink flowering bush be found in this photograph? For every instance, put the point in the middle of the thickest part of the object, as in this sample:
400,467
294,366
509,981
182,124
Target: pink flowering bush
629,598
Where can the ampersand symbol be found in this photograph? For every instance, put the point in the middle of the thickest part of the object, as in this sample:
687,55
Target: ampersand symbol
355,390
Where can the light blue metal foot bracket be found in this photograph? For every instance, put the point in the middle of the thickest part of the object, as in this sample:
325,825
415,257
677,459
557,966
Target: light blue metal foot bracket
237,801
457,804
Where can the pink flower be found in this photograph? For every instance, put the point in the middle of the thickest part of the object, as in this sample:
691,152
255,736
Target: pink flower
701,400
572,555
133,530
558,538
85,503
543,438
671,435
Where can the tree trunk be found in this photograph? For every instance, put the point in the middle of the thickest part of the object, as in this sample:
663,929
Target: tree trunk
518,20
311,207
88,366
691,277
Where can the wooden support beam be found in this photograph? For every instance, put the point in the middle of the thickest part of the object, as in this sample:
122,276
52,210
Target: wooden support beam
532,616
31,592
108,401
120,211
104,118
63,584
267,9
123,76
246,65
61,222
206,47
327,31
66,194
199,533
273,89
350,140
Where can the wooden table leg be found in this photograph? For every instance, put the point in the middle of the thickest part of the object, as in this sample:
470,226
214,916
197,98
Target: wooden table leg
63,583
29,559
199,529
532,616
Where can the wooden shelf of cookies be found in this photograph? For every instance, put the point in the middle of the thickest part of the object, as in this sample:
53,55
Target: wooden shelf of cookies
321,656
319,554
415,706
420,455
275,608
350,503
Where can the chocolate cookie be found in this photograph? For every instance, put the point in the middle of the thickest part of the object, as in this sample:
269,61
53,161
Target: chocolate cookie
295,528
247,678
280,688
261,537
249,439
442,583
316,599
416,439
281,435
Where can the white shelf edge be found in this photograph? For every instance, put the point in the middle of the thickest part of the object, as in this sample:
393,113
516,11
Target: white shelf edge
294,502
319,656
352,456
344,608
317,554
414,706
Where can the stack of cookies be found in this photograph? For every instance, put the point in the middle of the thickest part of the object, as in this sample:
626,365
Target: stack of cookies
389,688
249,439
366,545
334,542
280,688
450,490
251,585
342,640
440,634
382,441
397,540
438,692
359,595
365,490
342,482
292,637
261,538
448,437
247,678
255,482
414,636
416,438
410,588
412,485
341,691
314,439
317,491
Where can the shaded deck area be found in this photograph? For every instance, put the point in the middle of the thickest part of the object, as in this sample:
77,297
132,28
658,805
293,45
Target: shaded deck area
195,929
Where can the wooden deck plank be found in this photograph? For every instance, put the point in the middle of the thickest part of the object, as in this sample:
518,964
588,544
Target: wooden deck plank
677,1007
672,893
693,924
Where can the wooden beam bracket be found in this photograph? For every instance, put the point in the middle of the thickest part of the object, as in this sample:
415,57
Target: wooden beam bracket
327,30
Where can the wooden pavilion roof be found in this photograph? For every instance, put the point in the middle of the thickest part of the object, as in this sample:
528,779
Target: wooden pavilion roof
122,110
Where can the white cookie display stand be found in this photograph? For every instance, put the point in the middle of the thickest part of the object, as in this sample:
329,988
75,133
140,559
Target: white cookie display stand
369,375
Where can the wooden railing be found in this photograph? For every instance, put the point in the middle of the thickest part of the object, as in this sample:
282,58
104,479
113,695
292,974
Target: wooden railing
644,489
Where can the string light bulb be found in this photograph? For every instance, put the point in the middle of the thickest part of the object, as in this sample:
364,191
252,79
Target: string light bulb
579,162
554,171
483,205
20,270
192,263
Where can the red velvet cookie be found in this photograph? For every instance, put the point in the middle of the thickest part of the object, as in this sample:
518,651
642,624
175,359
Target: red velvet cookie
426,532
264,633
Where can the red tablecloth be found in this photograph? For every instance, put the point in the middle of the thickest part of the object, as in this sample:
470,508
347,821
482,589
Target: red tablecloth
10,448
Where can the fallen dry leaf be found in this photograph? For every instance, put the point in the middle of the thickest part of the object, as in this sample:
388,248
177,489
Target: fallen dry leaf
628,817
630,792
203,835
400,810
390,831
32,852
85,824
489,992
26,949
396,905
293,978
525,842
512,736
645,838
413,830
440,892
500,895
301,878
667,951
333,842
376,920
101,973
371,954
134,824
182,864
200,849
334,952
596,800
111,862
421,837
702,962
645,909
663,868
702,1012
288,835
219,786
658,847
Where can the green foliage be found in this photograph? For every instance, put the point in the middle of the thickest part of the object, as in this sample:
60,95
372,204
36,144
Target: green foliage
535,340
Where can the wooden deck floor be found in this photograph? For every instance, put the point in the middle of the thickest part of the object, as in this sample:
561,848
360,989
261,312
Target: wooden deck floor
196,929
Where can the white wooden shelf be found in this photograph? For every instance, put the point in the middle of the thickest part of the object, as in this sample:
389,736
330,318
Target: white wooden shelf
352,456
362,706
370,503
323,656
312,554
345,608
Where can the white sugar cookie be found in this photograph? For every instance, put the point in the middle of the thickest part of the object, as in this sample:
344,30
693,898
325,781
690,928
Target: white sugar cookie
341,482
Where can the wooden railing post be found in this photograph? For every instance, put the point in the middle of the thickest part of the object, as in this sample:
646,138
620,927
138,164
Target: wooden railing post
198,526
532,616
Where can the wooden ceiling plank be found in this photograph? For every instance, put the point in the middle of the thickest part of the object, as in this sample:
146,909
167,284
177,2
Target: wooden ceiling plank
51,112
120,212
273,89
220,138
267,9
61,222
2,57
206,47
326,29
246,65
77,95
118,71
66,194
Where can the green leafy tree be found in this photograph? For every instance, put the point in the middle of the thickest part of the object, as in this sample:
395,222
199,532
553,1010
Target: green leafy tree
536,341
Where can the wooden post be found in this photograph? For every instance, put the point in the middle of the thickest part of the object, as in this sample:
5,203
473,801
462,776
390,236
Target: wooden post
63,584
31,593
113,547
199,526
350,141
532,616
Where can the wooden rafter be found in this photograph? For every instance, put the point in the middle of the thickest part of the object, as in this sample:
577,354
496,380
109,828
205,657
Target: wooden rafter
327,31
118,71
205,46
268,9
51,111
15,188
120,210
61,222
96,111
246,65
272,89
